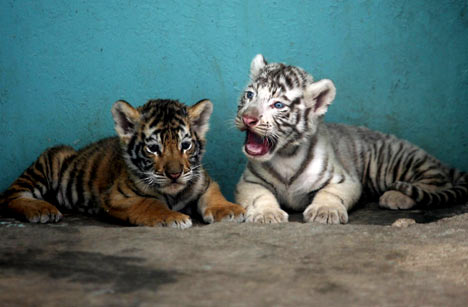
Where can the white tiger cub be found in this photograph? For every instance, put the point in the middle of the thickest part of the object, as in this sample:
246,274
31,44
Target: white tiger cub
297,161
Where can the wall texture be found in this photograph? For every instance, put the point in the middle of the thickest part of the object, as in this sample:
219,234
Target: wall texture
399,66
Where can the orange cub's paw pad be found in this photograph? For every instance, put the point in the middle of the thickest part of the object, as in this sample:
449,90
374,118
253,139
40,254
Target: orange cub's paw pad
224,212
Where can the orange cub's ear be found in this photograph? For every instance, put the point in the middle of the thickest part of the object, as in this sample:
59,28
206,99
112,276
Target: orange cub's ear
125,119
199,115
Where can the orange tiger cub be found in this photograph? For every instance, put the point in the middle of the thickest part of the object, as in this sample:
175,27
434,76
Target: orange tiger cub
144,176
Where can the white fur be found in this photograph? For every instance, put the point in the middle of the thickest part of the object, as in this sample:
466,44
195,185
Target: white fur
256,65
325,208
257,193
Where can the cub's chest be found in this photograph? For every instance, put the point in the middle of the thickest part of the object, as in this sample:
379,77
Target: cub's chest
296,181
308,163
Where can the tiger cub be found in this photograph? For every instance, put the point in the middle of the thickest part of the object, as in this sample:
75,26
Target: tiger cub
297,161
143,176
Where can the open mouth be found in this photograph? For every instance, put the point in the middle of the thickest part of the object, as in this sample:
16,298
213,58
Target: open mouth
256,145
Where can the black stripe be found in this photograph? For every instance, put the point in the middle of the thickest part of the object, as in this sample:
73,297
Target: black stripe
95,164
135,190
35,177
288,151
289,82
438,199
436,180
323,170
365,167
131,145
324,184
430,167
386,166
168,200
80,188
407,164
278,125
268,167
64,165
48,164
70,185
8,194
296,101
416,168
45,171
187,191
309,157
311,196
342,179
122,192
207,183
416,193
305,118
396,162
380,159
24,184
371,182
254,201
354,152
270,186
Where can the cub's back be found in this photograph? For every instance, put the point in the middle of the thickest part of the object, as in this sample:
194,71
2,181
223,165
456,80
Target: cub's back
89,174
376,158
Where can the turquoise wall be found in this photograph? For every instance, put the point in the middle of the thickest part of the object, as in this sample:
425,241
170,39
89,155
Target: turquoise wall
399,66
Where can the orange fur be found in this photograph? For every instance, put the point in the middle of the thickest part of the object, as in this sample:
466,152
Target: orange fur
214,206
35,210
145,212
152,167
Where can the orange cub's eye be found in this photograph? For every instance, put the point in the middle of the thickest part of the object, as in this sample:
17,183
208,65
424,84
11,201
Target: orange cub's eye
186,145
153,148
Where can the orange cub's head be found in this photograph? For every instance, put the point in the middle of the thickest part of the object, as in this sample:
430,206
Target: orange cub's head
163,141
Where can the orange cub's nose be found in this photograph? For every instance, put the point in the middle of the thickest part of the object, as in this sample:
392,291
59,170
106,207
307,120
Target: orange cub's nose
250,121
173,175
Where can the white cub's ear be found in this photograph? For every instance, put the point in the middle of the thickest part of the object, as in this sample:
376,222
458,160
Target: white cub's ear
319,95
125,119
257,63
199,115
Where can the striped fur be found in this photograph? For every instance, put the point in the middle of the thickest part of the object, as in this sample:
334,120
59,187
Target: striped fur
301,163
144,176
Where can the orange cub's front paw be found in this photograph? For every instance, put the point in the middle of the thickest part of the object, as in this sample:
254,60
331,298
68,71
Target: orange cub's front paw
224,212
164,219
35,210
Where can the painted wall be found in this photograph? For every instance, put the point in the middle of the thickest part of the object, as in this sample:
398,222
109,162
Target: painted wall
399,66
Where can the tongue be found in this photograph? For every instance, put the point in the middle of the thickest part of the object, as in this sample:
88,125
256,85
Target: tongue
256,145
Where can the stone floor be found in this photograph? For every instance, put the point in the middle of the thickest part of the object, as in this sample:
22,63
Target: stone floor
84,262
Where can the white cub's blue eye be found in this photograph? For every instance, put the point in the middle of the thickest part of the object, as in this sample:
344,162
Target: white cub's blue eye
249,94
278,105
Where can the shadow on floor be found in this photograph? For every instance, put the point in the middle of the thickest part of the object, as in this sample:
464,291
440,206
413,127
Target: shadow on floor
362,214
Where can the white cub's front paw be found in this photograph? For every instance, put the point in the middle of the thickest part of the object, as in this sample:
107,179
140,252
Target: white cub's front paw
326,213
266,216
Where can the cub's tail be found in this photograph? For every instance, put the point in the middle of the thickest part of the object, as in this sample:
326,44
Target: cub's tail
457,194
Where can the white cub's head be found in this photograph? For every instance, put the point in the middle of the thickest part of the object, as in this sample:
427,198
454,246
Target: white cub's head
280,107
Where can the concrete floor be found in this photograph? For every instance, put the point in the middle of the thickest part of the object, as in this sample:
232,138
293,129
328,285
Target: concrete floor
84,262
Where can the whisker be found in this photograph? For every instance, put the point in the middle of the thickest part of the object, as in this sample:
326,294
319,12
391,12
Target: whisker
230,124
